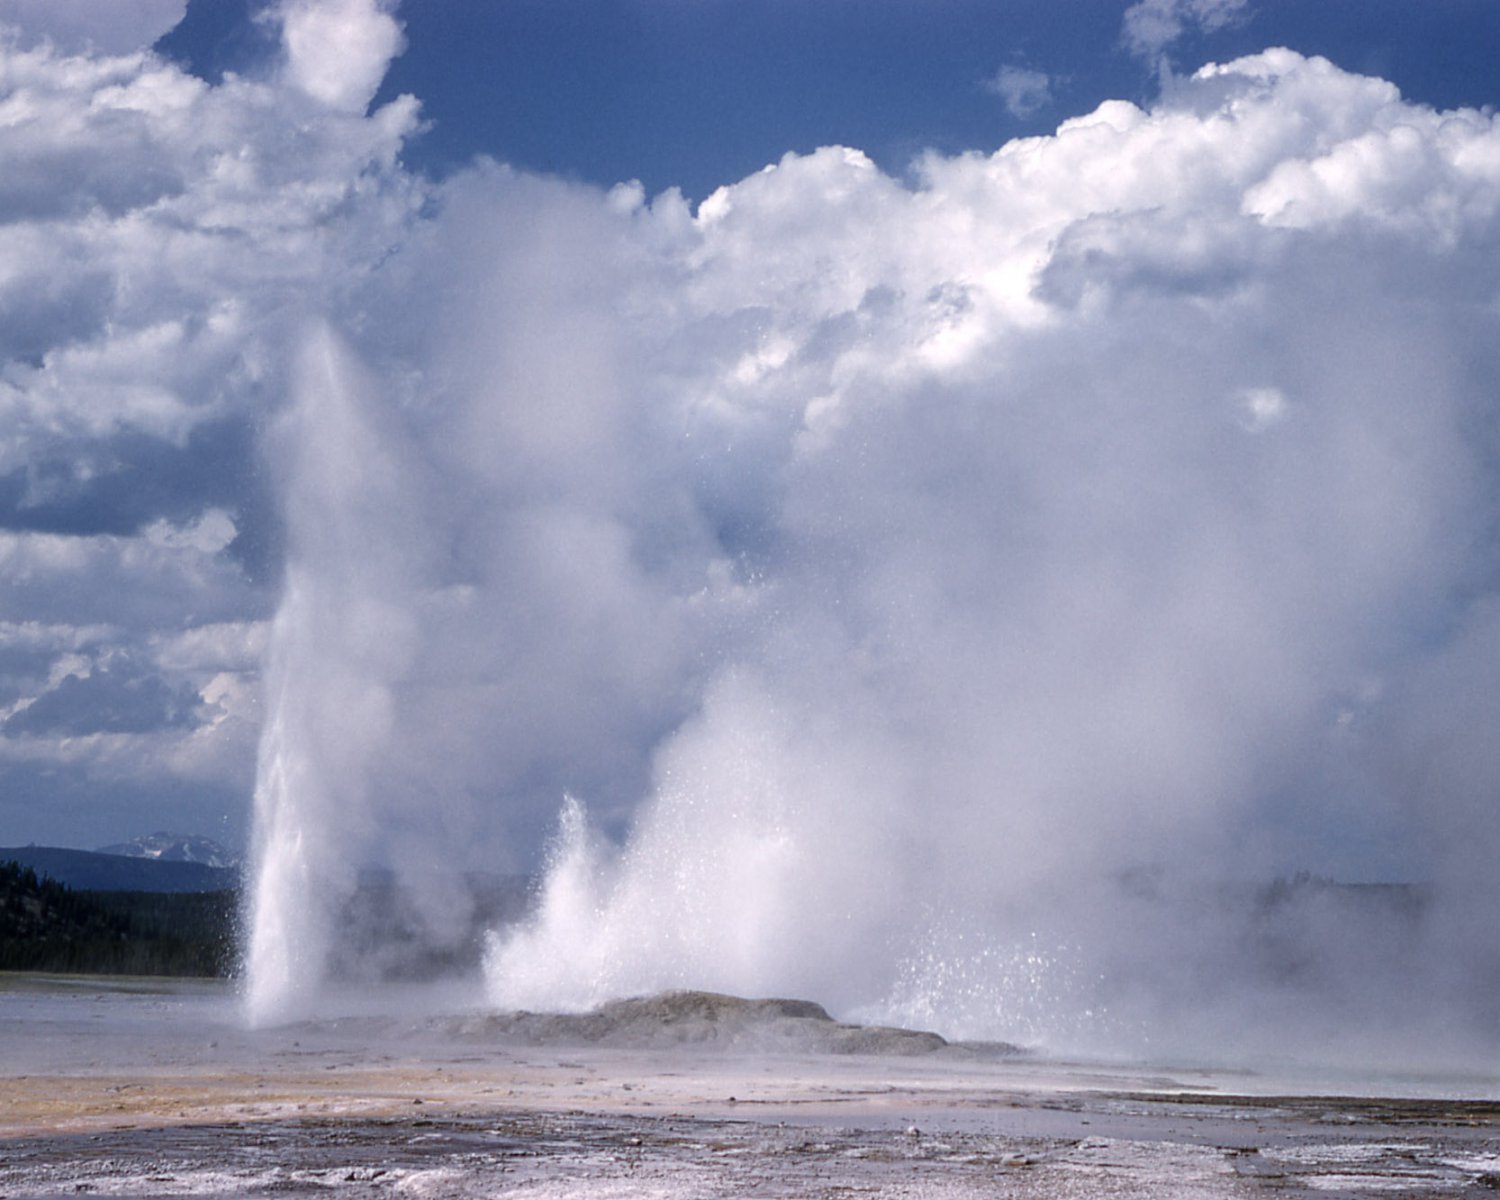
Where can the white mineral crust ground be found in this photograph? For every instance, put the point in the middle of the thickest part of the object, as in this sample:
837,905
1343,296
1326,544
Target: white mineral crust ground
134,1088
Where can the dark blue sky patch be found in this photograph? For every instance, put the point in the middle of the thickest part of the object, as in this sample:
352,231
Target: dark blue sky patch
55,307
21,667
121,485
698,95
121,698
702,93
71,804
219,37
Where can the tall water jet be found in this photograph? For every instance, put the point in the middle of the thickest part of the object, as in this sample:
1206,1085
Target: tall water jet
341,636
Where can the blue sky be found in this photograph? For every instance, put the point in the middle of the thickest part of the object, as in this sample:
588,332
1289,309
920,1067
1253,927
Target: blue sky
698,93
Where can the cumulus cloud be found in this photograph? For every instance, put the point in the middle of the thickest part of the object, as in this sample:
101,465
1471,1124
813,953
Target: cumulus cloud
1151,26
1024,90
120,697
84,26
337,50
1260,408
161,241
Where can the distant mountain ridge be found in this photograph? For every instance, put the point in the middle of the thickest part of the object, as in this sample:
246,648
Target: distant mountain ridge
87,870
175,847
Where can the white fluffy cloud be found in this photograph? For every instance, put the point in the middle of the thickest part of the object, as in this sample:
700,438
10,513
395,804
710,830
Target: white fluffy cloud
1150,26
1024,90
170,229
161,241
337,50
88,26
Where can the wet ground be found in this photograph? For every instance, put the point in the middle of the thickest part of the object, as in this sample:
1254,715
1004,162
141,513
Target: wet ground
129,1090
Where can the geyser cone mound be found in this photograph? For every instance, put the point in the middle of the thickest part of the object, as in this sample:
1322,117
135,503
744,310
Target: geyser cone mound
709,1019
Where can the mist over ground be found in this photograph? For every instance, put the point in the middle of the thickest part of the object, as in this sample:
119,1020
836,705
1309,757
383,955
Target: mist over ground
952,597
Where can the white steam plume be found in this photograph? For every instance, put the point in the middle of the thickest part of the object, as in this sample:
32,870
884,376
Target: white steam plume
945,601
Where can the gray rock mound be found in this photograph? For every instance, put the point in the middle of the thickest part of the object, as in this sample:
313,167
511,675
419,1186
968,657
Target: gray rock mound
705,1019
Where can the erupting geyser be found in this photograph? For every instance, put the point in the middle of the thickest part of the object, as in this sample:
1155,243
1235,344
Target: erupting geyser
955,601
340,640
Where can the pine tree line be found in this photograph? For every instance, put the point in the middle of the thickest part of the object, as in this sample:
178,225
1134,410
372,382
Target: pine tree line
47,926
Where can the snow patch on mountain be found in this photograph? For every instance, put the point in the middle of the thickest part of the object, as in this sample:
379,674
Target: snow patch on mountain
176,847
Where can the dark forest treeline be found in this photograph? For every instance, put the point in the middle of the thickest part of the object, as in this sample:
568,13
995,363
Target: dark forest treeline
47,926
